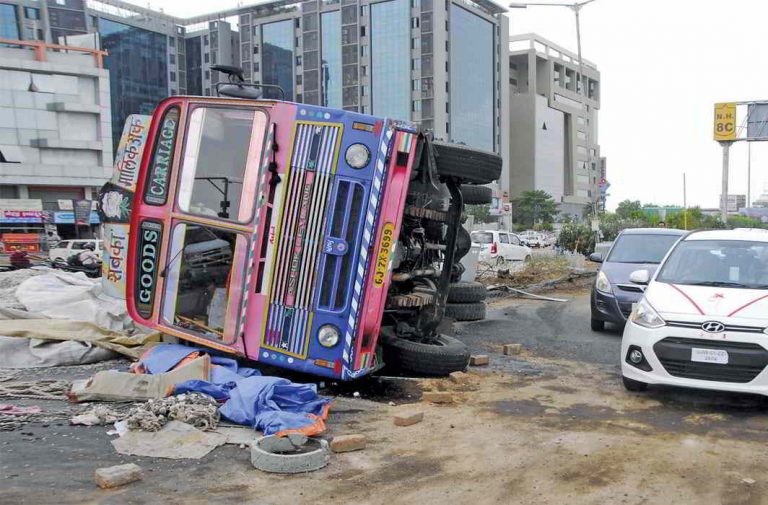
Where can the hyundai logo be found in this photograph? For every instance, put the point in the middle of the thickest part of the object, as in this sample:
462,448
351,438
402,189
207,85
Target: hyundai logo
712,327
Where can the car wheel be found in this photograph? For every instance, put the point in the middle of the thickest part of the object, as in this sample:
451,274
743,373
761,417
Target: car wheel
467,292
441,356
468,164
527,258
597,325
633,385
476,195
465,311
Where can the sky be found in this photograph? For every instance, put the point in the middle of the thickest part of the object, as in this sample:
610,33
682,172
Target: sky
663,64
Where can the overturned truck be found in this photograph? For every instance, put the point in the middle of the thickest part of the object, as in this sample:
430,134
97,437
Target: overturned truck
314,239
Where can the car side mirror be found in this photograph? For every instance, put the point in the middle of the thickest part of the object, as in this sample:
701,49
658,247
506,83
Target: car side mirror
596,257
640,277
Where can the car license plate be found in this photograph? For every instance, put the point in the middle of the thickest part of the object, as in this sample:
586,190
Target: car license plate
709,356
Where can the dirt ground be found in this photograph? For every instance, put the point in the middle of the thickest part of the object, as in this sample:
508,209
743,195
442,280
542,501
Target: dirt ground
528,429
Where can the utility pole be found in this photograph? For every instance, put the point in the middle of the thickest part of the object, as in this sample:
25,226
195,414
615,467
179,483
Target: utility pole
749,174
685,204
724,195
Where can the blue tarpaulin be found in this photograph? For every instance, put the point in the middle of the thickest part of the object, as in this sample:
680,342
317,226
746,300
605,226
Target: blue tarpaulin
272,405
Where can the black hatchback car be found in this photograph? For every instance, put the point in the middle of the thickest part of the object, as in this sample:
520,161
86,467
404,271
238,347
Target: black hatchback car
634,249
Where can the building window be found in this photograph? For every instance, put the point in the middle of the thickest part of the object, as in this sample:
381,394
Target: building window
207,91
331,73
390,68
256,66
31,13
416,43
205,40
207,75
206,58
362,31
173,76
416,85
415,4
414,22
416,106
298,61
255,49
9,25
363,50
298,22
299,80
363,70
172,59
416,64
364,90
278,58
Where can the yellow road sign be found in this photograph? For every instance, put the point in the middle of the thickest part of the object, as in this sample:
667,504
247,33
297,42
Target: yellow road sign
725,121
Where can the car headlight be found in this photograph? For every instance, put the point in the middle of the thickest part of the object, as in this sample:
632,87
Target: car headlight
602,283
328,335
644,315
357,156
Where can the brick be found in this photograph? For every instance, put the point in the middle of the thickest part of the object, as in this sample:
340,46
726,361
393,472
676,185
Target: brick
115,476
512,349
348,443
479,360
458,377
408,418
437,397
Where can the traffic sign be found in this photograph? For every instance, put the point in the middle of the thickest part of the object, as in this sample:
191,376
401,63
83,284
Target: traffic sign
725,122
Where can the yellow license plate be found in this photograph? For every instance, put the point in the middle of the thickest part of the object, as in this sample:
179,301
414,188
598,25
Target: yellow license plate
382,258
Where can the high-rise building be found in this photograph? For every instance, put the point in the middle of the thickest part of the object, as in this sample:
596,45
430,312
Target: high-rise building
553,124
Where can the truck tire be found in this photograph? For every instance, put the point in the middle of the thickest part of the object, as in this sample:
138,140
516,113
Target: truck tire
476,195
466,163
465,311
442,357
466,292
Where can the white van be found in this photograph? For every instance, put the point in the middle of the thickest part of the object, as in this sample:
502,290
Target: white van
67,248
500,246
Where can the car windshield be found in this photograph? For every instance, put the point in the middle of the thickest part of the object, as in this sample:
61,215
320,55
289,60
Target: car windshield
647,248
482,238
722,263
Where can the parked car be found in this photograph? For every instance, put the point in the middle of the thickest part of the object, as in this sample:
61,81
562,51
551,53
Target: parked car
612,293
532,239
67,248
703,320
500,246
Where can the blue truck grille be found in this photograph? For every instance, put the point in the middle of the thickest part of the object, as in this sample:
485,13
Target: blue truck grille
345,222
299,237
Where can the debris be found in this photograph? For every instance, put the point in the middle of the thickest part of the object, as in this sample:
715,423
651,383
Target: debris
479,360
13,417
14,410
512,349
36,390
110,385
291,454
176,440
437,397
196,409
458,377
348,443
119,475
536,297
748,481
356,394
97,416
408,419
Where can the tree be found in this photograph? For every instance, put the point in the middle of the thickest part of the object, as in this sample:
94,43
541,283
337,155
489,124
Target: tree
480,212
577,237
629,209
533,207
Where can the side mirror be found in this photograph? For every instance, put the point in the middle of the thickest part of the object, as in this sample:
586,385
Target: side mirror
640,277
596,257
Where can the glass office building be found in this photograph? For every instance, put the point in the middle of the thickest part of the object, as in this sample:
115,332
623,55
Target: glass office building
9,24
138,69
194,62
331,59
277,58
391,59
472,79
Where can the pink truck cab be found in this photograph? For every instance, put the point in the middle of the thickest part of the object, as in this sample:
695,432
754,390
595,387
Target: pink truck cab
318,240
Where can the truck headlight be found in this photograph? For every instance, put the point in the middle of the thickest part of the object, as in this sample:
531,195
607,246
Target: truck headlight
644,315
357,156
602,283
328,335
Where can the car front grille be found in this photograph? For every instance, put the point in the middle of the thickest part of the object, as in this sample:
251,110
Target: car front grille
745,360
728,327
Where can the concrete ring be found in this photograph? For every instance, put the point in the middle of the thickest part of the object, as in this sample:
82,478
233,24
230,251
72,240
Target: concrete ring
291,454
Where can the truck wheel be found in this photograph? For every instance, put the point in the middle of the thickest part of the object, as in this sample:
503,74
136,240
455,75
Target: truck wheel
467,292
463,244
440,357
465,311
468,164
476,195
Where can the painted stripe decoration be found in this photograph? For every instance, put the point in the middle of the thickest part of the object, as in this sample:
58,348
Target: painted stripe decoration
370,218
299,238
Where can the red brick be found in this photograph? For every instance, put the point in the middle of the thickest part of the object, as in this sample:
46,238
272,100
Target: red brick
512,349
479,360
115,476
458,377
437,397
408,418
347,443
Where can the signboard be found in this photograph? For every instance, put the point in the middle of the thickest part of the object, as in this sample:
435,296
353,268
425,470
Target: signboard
22,216
757,121
68,217
725,122
113,259
82,209
130,150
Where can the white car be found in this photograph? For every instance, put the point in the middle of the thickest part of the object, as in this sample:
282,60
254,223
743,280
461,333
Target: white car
500,246
703,321
532,239
67,248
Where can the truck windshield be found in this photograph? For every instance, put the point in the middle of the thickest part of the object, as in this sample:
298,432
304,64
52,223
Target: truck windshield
646,248
220,144
720,263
